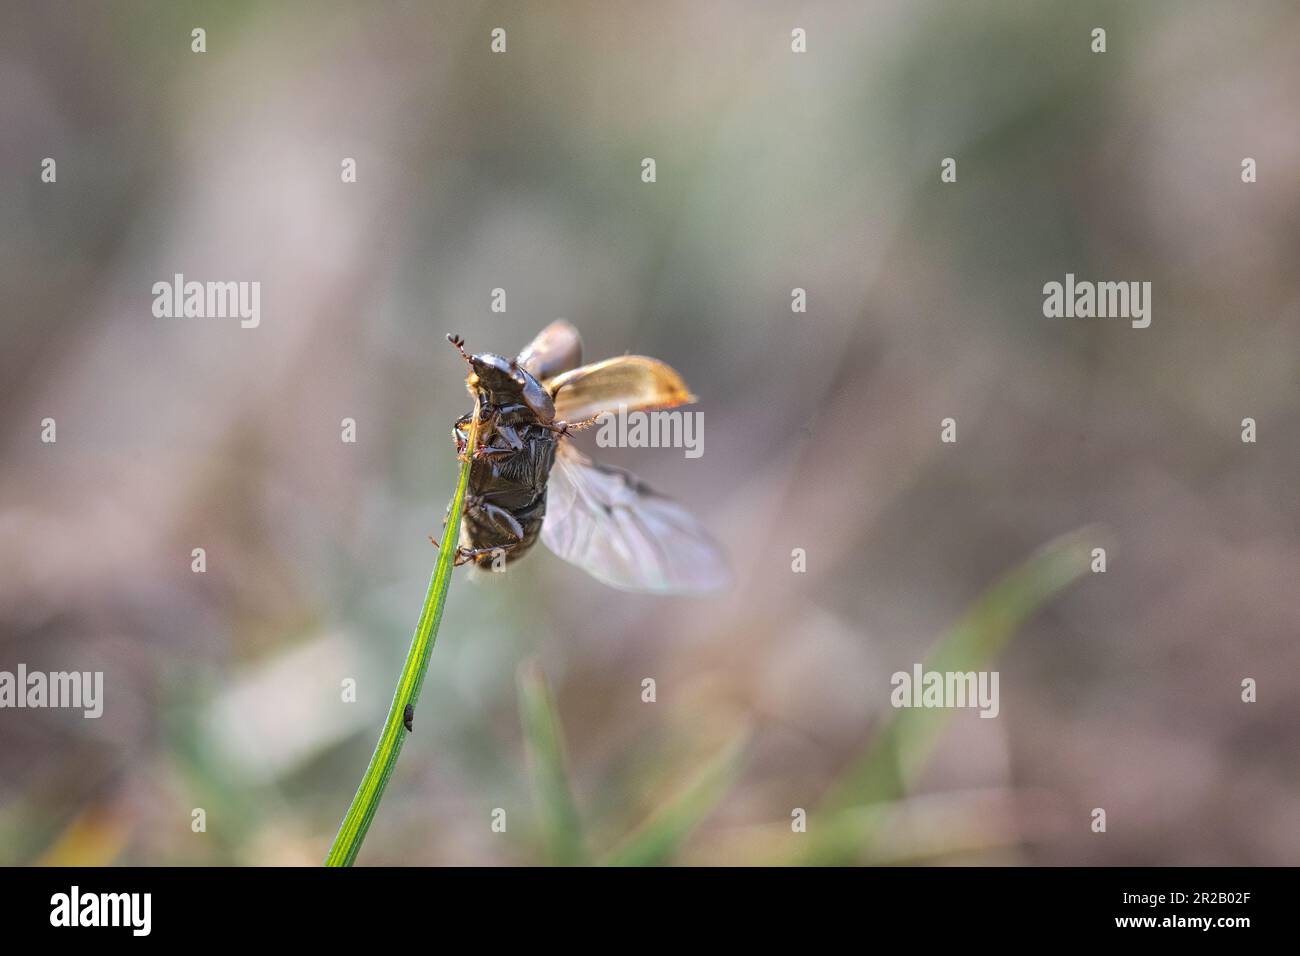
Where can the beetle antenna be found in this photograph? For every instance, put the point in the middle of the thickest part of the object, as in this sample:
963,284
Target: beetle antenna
457,341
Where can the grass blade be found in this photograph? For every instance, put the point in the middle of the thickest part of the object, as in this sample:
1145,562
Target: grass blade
662,834
356,822
557,814
905,744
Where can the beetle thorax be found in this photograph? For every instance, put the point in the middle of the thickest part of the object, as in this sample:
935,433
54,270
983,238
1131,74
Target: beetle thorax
503,382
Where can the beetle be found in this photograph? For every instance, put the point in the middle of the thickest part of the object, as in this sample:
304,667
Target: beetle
527,480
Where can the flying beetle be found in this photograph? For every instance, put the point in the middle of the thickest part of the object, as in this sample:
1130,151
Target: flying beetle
527,480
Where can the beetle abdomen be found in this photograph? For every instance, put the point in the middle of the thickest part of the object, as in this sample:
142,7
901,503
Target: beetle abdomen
507,488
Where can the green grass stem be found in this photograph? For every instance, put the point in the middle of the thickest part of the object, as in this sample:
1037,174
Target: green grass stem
356,822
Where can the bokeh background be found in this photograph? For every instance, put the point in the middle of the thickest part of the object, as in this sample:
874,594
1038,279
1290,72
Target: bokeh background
775,170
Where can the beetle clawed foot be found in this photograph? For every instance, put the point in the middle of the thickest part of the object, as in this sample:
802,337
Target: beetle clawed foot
563,428
466,555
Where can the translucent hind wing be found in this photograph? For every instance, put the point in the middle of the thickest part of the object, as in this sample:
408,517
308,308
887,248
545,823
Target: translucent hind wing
609,523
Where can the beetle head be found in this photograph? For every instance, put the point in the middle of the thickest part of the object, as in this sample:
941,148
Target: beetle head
502,381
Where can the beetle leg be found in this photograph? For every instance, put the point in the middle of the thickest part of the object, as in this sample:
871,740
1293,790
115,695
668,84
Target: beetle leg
465,555
460,433
471,503
567,428
511,436
487,451
502,518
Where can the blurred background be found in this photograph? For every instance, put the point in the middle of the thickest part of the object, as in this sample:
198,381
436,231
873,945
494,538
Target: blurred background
775,170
